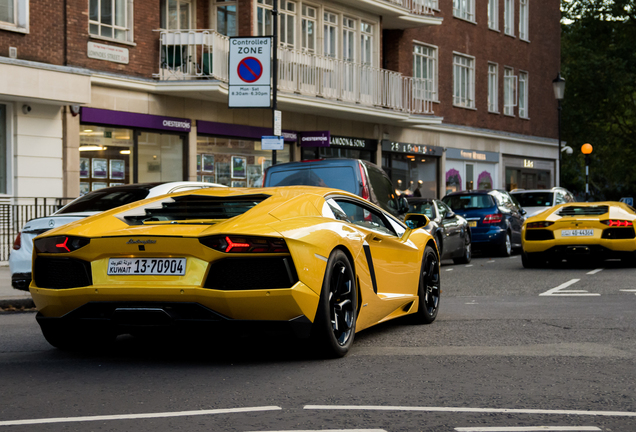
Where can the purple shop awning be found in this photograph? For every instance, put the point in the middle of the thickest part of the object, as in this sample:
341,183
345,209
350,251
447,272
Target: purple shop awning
135,120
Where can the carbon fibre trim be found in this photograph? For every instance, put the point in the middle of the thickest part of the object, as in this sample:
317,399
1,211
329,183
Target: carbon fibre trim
367,254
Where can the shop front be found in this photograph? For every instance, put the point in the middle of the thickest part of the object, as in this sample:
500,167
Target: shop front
231,154
471,170
413,168
337,147
528,173
117,147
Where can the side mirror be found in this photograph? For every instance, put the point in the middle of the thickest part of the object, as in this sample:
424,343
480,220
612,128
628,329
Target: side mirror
523,212
403,204
449,215
416,220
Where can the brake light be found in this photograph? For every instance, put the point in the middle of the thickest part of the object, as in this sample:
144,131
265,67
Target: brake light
365,188
17,243
617,223
493,218
264,176
543,224
60,244
245,244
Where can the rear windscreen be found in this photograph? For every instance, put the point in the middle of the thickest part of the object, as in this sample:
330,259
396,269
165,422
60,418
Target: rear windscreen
102,200
339,177
535,199
467,202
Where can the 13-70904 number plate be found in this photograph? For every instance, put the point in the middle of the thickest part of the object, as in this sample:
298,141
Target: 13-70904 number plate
147,266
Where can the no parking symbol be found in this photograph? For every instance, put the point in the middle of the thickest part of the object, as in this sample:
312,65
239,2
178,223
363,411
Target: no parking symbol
250,69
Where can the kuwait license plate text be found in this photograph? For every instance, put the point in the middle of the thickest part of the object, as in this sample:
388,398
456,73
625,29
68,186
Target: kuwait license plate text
577,233
147,266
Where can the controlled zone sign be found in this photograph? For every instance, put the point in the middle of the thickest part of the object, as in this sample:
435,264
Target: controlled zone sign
250,72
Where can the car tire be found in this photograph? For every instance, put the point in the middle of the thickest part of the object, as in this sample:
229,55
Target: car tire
467,254
429,289
530,260
440,245
72,340
334,327
505,249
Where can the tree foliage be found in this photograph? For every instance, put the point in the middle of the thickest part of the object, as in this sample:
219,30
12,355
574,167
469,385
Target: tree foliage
598,57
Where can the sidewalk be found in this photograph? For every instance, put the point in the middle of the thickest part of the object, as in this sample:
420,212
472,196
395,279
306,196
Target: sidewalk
10,296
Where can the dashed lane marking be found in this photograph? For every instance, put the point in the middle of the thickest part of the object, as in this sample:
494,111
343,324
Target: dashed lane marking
560,291
528,428
469,265
595,271
450,269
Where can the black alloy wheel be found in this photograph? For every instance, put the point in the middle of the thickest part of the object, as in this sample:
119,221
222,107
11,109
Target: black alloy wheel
429,290
334,326
467,254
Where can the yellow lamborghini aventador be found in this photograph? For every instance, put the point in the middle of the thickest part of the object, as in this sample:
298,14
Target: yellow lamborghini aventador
578,231
319,262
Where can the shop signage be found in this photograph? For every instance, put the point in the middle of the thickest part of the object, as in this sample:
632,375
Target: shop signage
419,149
338,141
527,163
272,143
315,139
108,53
137,120
473,155
250,75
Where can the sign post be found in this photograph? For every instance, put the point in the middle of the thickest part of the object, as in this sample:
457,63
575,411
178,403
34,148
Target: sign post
275,74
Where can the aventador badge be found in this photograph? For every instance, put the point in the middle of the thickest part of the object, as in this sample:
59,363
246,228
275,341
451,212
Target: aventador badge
144,242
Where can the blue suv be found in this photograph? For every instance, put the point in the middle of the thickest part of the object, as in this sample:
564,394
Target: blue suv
494,218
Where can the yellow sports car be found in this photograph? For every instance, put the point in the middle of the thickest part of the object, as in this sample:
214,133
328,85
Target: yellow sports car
577,231
320,262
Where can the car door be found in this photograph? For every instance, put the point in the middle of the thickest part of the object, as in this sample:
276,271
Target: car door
452,229
394,262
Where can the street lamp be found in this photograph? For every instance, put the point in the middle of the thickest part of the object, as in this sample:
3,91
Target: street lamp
558,85
586,149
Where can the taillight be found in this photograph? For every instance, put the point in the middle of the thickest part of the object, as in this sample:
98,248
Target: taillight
264,175
245,244
617,223
543,224
17,243
493,218
60,244
365,187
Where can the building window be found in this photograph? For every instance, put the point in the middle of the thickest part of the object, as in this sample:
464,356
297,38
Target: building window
523,94
14,15
493,87
493,14
523,20
348,38
509,17
8,11
433,4
264,17
176,14
464,9
308,29
287,23
366,43
111,19
330,28
510,87
425,68
226,18
3,149
463,81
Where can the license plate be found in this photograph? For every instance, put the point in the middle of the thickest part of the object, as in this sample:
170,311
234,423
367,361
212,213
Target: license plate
472,224
577,233
147,266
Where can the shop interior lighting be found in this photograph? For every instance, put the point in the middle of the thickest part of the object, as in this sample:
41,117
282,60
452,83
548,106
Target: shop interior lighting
124,152
92,148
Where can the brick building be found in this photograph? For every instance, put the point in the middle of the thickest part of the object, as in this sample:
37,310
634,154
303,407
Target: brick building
445,95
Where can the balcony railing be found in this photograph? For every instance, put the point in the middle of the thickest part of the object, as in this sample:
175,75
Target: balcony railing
200,54
419,7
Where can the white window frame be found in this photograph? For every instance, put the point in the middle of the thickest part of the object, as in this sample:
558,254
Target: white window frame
428,60
366,40
349,31
304,27
433,4
287,15
510,91
463,80
329,27
493,88
180,4
464,9
523,95
221,4
20,20
509,17
493,14
524,20
266,6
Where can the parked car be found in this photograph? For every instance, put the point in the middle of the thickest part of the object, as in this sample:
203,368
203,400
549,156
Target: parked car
494,218
320,262
84,206
580,232
450,231
535,201
357,176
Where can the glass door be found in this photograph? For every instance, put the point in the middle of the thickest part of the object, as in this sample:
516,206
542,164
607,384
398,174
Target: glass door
160,157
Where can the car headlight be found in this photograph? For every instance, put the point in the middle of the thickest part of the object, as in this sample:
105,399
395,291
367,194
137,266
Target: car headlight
60,244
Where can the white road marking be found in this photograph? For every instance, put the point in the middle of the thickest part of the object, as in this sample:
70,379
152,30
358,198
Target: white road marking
472,410
450,269
331,430
561,292
137,416
469,265
528,428
595,271
629,290
474,302
491,261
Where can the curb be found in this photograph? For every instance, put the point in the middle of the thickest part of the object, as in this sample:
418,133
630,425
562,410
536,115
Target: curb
22,303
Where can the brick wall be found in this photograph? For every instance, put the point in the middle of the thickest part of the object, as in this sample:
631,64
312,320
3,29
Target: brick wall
540,58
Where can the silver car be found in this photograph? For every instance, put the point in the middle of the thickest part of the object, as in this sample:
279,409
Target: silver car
534,201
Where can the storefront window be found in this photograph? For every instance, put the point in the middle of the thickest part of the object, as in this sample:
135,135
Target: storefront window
336,152
106,157
235,162
413,175
527,179
160,157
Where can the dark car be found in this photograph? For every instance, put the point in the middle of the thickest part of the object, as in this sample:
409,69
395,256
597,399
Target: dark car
450,231
352,175
494,218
